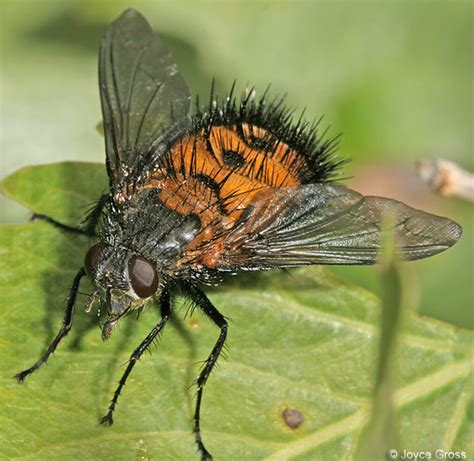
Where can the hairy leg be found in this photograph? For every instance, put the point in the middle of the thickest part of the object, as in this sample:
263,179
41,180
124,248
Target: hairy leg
88,226
165,305
201,300
57,224
64,330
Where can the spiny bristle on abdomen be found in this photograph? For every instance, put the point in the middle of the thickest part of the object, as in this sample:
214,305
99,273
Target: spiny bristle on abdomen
270,130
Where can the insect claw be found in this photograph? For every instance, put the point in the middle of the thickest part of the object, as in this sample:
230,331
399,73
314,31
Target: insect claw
20,377
107,420
205,455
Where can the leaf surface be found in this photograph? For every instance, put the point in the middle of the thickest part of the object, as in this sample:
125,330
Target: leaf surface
304,340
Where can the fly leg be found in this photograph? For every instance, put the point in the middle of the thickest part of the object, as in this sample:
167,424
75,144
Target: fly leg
57,224
64,330
201,300
165,305
88,226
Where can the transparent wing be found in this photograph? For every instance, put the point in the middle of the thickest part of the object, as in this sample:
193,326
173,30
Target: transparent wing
142,94
329,224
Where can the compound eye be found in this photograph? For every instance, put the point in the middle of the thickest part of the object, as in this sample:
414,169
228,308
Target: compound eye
143,277
93,257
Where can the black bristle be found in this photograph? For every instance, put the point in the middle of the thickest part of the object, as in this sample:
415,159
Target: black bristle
277,120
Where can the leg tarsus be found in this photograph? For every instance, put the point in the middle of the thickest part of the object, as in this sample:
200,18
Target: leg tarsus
165,303
63,331
205,455
20,377
206,306
107,420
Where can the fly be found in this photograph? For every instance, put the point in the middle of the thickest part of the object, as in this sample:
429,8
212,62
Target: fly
237,185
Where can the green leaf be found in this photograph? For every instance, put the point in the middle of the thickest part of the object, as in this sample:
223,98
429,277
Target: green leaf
304,340
63,190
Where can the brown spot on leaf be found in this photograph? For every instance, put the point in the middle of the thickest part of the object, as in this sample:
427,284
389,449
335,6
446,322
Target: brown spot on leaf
292,417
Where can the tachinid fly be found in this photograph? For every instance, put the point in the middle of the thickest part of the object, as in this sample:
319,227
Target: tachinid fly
236,185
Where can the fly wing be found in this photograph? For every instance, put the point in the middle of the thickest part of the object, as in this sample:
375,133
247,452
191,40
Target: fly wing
142,94
329,224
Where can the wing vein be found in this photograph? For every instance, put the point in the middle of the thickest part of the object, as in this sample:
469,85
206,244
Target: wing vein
114,80
130,92
145,112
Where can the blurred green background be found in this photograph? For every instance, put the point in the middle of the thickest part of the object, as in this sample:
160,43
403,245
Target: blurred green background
395,77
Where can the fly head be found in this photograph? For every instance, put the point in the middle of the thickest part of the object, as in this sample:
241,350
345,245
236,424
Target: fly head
123,280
